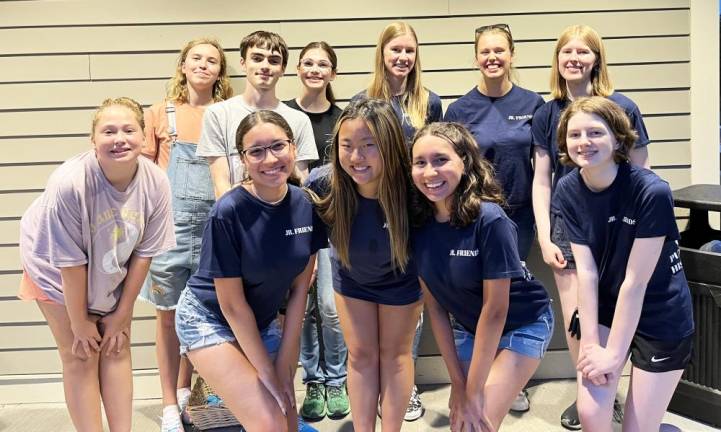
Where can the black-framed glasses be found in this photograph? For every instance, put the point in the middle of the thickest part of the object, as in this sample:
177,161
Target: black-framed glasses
482,29
258,153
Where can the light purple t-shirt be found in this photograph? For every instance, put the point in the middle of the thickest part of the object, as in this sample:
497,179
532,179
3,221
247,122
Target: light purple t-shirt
82,219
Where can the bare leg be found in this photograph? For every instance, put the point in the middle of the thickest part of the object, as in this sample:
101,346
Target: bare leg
396,327
359,322
595,402
567,285
80,377
509,373
116,388
167,350
230,374
648,397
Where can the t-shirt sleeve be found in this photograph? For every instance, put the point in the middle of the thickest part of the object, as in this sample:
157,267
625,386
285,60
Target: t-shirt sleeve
319,180
150,148
320,234
500,250
212,138
435,114
574,230
655,217
59,236
634,115
451,114
159,232
222,249
539,128
305,141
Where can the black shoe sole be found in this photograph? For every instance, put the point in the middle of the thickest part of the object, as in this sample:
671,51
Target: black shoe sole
569,418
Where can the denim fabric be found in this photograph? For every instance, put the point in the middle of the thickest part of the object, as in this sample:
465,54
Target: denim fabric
333,370
197,327
526,224
530,340
193,196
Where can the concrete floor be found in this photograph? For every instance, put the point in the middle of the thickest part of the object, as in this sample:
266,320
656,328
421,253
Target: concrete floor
548,399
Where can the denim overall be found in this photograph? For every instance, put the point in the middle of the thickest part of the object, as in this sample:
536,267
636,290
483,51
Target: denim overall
192,197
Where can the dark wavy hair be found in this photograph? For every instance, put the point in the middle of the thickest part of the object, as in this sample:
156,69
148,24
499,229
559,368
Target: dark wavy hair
478,183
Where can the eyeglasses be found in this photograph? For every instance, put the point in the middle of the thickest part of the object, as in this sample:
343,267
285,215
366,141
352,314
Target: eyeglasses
482,29
258,153
308,65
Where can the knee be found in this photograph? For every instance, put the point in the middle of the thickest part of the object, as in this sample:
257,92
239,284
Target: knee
591,414
394,354
75,365
363,357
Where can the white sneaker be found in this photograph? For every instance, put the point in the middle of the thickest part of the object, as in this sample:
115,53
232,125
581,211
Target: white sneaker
170,421
415,407
521,404
183,396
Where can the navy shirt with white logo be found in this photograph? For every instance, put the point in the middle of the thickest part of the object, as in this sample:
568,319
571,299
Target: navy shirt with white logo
265,245
454,262
545,125
638,204
434,112
502,129
372,276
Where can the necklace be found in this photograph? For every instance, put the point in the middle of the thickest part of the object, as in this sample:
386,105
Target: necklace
255,193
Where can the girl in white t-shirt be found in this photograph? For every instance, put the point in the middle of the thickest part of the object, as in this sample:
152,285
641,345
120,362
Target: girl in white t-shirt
86,245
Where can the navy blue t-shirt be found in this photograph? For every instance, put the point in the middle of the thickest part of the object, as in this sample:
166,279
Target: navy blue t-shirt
638,204
434,114
502,129
454,262
545,126
372,276
265,245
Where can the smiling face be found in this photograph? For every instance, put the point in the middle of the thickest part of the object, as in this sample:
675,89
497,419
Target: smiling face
399,56
359,156
315,69
576,61
263,67
269,171
118,136
437,169
201,66
493,55
590,142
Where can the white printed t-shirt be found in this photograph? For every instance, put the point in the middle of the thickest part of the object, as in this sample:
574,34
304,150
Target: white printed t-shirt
81,218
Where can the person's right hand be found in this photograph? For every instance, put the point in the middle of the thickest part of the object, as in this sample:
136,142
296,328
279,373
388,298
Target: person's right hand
86,339
553,256
271,382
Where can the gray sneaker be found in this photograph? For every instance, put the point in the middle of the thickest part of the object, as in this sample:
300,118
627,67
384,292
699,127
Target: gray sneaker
521,403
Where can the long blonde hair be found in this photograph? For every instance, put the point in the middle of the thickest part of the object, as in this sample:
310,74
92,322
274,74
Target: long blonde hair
600,79
338,208
415,100
178,84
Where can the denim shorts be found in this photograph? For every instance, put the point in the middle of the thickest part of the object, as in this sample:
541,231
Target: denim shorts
530,340
197,327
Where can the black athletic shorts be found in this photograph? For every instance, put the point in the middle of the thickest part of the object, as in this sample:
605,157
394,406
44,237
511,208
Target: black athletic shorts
654,355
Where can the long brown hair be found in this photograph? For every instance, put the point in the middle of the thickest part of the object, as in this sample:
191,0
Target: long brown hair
338,208
415,100
600,79
178,84
477,183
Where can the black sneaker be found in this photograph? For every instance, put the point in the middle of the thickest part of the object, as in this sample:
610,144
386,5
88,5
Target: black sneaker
569,418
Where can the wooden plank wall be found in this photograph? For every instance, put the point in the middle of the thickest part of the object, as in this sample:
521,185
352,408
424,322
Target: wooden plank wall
59,59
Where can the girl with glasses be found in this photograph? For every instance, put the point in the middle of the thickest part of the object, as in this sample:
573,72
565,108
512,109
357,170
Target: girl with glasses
258,248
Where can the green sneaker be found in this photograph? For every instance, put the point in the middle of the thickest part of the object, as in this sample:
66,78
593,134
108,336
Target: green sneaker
314,403
338,404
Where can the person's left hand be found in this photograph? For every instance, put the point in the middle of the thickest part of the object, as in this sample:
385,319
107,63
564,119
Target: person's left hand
115,329
598,364
285,371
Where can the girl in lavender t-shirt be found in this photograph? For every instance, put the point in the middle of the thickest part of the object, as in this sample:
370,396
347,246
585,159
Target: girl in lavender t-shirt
86,245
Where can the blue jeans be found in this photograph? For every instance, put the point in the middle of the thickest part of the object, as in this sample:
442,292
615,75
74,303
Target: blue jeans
335,351
198,327
530,340
192,199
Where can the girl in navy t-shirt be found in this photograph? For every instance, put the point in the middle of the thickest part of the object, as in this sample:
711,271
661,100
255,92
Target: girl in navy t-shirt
467,257
632,291
578,70
499,113
377,292
258,247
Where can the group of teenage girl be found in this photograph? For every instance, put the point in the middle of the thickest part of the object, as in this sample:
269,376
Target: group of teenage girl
239,206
